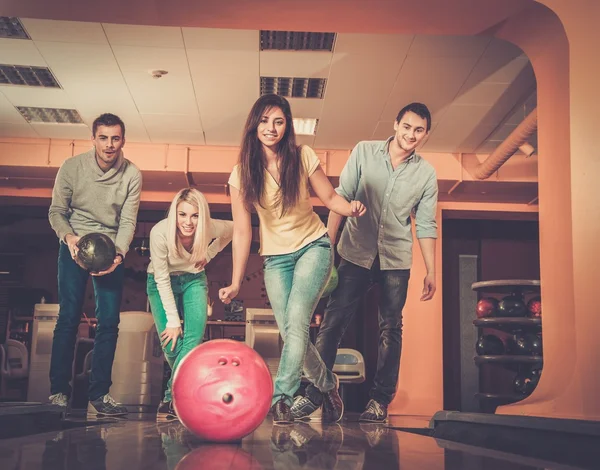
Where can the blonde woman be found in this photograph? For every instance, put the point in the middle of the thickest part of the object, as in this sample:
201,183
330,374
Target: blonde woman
180,247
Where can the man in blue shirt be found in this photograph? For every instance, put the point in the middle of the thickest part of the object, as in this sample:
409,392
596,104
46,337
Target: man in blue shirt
395,184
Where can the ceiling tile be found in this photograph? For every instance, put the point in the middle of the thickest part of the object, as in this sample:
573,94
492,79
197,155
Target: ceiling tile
171,94
8,112
448,46
20,52
303,64
419,80
10,129
235,73
161,136
62,131
172,122
37,96
222,39
144,36
64,31
390,45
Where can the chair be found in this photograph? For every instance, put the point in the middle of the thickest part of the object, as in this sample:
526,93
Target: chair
350,368
14,363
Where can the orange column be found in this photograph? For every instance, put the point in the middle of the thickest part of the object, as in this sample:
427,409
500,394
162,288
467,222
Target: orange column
566,67
420,384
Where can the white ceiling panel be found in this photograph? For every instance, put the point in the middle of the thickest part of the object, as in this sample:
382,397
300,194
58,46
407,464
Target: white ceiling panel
460,129
10,129
227,85
62,131
501,49
388,45
496,70
448,46
37,96
64,31
175,122
303,64
221,39
8,112
171,94
486,94
355,97
306,108
305,140
20,52
434,82
144,36
162,136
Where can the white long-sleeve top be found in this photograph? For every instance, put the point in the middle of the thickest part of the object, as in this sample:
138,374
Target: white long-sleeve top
163,263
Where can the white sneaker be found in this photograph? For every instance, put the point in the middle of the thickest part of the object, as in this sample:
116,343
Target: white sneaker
59,399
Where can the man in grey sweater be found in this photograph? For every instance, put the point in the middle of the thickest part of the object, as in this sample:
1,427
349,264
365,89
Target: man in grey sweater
97,191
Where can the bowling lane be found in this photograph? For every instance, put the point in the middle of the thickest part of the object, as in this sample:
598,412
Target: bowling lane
140,444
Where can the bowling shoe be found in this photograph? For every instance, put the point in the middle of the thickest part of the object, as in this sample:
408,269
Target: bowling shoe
333,405
165,412
304,409
375,412
281,413
59,399
105,406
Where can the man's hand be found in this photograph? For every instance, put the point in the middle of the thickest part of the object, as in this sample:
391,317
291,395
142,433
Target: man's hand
428,287
116,262
170,334
227,294
71,241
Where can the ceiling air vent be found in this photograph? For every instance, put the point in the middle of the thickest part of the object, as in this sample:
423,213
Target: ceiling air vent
12,28
293,87
27,76
50,115
296,41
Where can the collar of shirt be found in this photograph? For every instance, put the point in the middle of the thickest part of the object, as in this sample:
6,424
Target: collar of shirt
385,146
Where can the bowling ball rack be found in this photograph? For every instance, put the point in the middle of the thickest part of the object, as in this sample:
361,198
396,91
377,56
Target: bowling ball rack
498,373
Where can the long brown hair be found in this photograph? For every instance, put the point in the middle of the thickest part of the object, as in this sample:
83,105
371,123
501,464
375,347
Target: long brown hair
252,159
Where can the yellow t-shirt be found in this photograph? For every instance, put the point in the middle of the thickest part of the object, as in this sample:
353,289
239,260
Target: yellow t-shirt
299,226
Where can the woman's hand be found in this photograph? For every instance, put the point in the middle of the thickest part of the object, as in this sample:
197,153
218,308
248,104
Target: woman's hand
171,334
357,209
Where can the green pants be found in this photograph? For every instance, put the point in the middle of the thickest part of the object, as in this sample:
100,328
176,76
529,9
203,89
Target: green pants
191,294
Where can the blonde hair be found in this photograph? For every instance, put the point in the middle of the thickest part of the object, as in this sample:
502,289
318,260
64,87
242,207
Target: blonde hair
202,235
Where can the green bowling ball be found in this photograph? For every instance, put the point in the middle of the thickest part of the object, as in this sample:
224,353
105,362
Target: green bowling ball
331,284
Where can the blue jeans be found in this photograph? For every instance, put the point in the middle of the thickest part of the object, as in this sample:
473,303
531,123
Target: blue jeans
108,289
191,295
294,283
341,307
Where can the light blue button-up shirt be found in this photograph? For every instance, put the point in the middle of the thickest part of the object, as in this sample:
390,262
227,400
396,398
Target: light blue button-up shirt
389,196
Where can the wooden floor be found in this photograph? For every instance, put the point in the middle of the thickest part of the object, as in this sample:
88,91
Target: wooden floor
139,443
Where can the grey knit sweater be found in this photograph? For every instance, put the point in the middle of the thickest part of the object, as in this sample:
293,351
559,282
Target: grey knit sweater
85,199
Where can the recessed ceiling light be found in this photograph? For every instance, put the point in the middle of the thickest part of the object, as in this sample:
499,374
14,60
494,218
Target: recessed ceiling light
296,41
305,126
293,87
50,115
12,28
25,75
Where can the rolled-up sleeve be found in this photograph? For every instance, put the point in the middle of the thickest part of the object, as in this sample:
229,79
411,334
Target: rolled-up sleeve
350,176
425,221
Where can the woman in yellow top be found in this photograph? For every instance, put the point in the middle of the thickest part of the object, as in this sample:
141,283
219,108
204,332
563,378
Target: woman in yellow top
273,176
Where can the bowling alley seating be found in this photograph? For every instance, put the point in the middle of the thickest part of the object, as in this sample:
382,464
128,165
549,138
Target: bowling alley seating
350,368
14,365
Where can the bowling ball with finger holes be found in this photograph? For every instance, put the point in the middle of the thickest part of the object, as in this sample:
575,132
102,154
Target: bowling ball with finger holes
96,252
332,283
222,390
